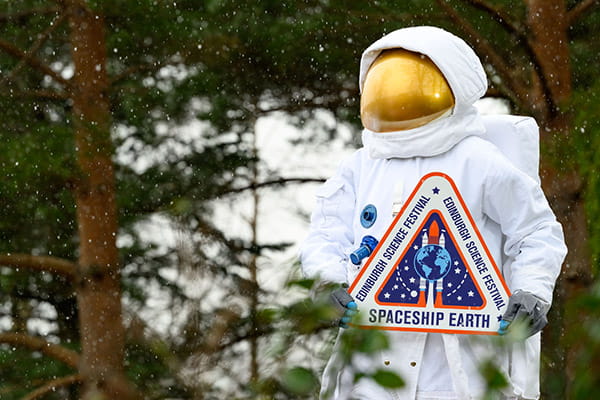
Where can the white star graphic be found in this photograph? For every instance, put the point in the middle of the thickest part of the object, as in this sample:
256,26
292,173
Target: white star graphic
459,298
403,295
387,295
406,268
457,270
450,284
412,280
456,263
396,287
470,293
416,247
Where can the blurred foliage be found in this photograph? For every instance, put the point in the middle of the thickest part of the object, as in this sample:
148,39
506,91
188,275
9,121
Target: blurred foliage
18,379
221,65
494,378
585,342
300,382
584,143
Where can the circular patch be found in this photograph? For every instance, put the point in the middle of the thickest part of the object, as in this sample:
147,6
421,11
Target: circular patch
368,216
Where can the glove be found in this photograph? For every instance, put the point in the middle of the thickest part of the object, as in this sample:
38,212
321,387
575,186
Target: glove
345,304
525,306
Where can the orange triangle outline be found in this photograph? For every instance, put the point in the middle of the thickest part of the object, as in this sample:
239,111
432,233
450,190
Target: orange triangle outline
371,263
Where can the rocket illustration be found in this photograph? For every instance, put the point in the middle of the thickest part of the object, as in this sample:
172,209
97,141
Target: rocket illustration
434,236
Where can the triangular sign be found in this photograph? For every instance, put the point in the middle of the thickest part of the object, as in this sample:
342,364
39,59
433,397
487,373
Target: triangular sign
431,271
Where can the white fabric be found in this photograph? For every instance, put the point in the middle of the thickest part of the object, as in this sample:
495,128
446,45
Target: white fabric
423,141
435,377
436,396
507,205
517,138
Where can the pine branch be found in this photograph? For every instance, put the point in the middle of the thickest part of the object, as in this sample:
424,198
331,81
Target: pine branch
33,62
499,15
43,37
135,69
52,385
55,351
514,83
330,103
265,331
22,15
485,49
577,11
381,13
274,182
54,265
493,91
50,95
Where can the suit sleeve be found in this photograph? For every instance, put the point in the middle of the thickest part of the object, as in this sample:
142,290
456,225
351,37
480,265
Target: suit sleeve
533,237
324,253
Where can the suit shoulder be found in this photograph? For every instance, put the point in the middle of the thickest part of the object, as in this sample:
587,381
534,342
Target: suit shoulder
478,148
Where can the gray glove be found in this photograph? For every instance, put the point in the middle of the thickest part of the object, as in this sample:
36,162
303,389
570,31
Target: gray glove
525,306
345,304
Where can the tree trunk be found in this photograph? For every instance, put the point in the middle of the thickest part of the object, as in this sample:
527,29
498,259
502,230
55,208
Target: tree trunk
253,266
548,27
548,24
98,284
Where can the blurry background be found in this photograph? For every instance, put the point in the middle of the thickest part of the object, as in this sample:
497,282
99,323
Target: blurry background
158,161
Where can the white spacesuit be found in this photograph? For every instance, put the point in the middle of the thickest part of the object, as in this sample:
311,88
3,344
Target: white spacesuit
507,205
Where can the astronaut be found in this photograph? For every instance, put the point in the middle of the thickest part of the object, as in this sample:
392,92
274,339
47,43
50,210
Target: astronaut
418,89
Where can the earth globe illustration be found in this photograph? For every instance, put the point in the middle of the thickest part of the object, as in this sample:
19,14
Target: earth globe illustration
432,262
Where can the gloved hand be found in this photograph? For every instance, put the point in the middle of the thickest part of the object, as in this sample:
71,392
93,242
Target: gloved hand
525,306
344,303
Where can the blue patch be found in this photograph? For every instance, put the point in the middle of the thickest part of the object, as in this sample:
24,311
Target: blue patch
368,216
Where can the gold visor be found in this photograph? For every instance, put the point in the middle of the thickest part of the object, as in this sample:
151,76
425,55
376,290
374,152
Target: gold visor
403,90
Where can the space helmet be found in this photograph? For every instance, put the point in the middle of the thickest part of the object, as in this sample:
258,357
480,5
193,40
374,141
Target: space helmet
403,90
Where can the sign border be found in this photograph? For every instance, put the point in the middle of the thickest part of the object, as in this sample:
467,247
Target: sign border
389,231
